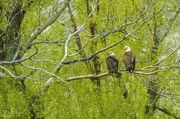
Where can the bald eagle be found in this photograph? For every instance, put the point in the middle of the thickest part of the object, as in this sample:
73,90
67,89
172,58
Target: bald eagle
112,65
129,59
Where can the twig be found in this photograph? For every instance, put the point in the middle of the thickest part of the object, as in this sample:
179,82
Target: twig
166,111
17,61
162,60
52,74
168,55
46,41
11,74
171,21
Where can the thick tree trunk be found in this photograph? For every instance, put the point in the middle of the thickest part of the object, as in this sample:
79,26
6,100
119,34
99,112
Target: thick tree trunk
12,38
94,67
154,81
78,39
2,52
92,26
10,44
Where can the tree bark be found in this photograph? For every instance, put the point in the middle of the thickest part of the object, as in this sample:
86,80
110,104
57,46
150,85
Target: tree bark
153,84
14,19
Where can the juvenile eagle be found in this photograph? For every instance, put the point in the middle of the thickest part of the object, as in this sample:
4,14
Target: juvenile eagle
129,59
112,65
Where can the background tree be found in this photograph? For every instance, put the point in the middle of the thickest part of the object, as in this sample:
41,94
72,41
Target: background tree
48,49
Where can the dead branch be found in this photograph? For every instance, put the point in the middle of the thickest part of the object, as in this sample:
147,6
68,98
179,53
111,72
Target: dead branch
87,76
57,68
108,47
18,61
34,35
66,49
166,111
106,73
43,70
156,65
11,74
46,41
171,21
94,54
168,55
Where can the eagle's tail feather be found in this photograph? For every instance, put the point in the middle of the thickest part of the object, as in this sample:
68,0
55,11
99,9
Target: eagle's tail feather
118,74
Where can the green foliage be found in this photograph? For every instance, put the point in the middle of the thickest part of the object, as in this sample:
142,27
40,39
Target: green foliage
83,98
12,102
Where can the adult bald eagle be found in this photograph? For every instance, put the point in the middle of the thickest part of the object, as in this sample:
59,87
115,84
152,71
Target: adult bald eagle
129,59
112,65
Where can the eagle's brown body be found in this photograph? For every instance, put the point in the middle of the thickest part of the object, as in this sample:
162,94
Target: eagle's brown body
129,61
112,65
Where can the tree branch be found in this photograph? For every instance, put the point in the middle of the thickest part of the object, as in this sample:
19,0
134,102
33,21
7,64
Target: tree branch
38,30
106,73
171,21
43,70
166,111
108,47
57,68
87,76
18,61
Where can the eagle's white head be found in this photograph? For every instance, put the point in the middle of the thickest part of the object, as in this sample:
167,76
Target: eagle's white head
127,48
112,54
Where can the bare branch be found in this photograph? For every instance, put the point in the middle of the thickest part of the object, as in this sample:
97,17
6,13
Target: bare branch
166,111
66,45
66,49
163,59
106,73
114,44
171,21
46,41
11,74
52,74
42,28
18,61
87,76
170,54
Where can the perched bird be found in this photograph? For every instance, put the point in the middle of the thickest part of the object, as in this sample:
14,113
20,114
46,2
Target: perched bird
112,65
129,59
